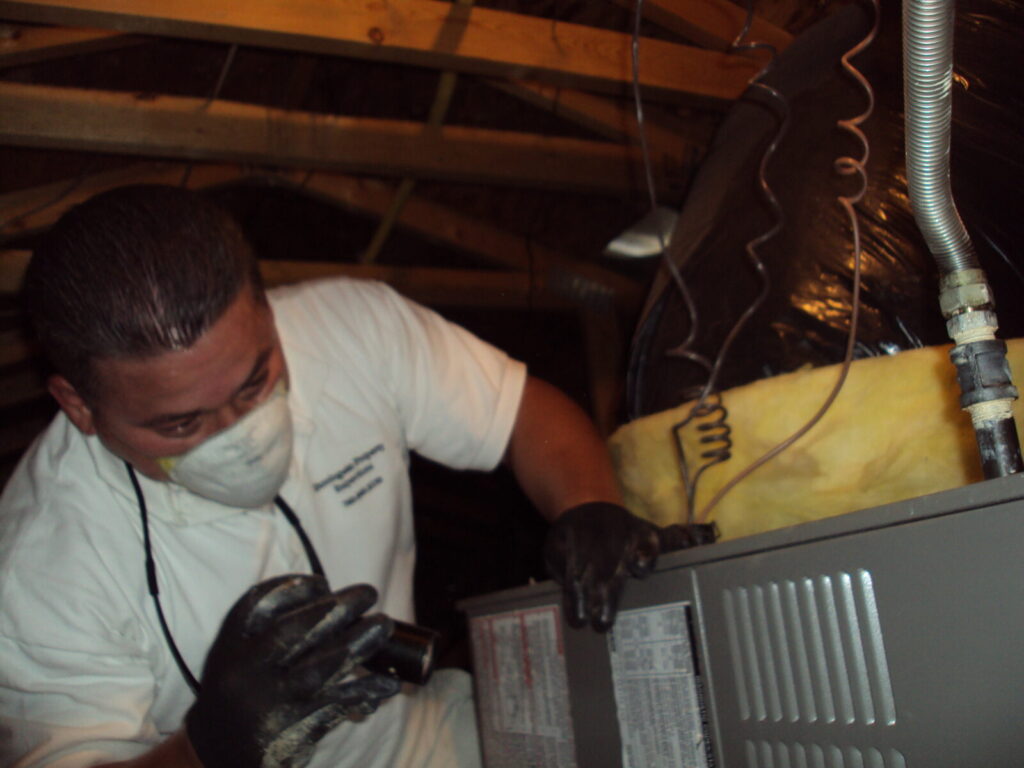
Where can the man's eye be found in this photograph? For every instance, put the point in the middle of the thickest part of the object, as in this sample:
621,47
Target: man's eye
253,390
182,428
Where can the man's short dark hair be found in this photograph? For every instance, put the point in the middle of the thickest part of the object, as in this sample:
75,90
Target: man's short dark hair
134,272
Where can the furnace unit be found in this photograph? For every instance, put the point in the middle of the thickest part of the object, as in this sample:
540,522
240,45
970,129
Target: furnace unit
886,638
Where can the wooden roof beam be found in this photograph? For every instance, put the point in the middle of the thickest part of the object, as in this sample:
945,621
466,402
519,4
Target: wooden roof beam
30,210
428,285
193,128
572,279
711,23
12,269
612,118
35,209
28,45
437,287
424,33
14,348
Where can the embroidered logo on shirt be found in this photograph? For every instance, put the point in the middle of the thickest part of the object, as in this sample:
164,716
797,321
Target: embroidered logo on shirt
355,479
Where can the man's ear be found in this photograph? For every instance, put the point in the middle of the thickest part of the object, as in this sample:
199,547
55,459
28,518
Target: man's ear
72,404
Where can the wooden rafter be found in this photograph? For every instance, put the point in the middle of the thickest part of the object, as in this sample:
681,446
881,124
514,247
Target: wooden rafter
13,348
711,23
428,285
446,85
425,33
30,210
12,268
28,45
611,118
551,271
35,209
180,127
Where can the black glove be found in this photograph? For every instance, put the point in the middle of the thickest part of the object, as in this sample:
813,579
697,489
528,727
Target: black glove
591,549
274,681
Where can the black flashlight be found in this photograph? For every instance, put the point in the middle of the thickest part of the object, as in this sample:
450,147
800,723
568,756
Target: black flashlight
407,655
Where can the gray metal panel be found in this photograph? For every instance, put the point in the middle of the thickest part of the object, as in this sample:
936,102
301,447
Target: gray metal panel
976,496
595,726
890,645
878,639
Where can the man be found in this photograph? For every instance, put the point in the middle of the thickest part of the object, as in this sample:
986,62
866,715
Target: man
212,438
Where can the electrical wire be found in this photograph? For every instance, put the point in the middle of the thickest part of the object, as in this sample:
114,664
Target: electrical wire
645,151
846,166
752,245
765,189
709,412
1002,254
719,429
228,61
714,415
221,77
711,417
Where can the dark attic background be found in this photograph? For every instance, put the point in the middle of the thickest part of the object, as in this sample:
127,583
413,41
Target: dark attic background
808,265
488,188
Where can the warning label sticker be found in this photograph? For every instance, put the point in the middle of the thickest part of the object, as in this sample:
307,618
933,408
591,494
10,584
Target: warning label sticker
658,694
522,689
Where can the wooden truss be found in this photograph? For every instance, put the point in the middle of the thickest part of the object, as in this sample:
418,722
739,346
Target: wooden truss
581,74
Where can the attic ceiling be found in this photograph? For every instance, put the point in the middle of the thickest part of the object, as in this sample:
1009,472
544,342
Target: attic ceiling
416,89
502,134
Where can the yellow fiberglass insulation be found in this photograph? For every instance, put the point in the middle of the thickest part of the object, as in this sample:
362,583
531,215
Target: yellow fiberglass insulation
895,432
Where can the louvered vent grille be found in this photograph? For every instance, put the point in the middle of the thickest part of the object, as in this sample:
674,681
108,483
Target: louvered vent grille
810,650
763,754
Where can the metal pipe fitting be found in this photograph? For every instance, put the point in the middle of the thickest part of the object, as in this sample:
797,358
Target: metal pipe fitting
965,298
964,290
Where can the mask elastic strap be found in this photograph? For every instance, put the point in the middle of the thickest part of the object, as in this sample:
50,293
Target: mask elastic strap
154,590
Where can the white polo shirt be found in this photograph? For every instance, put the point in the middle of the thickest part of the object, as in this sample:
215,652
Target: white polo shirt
85,673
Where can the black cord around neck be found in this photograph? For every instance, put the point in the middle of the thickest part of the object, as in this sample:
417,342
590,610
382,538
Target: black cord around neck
151,580
291,517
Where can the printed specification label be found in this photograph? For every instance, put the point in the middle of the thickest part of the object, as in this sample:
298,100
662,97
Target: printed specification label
658,694
523,693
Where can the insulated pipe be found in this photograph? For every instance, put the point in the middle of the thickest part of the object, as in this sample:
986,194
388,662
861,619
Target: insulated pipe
987,391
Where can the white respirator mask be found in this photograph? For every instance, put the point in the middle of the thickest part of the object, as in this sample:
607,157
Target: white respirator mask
244,465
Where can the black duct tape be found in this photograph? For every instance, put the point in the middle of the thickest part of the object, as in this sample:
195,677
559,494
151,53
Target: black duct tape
999,448
982,371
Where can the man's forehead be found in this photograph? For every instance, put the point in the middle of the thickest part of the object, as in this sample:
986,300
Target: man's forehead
220,361
157,383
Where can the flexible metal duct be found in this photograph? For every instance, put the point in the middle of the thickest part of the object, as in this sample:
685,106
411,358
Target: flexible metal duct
987,390
928,91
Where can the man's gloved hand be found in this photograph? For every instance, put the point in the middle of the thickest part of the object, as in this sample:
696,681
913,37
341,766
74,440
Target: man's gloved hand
274,681
590,550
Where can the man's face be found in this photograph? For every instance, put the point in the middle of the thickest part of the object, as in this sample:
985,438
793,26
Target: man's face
164,405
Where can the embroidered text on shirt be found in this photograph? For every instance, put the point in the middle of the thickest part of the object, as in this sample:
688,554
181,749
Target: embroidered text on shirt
348,475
